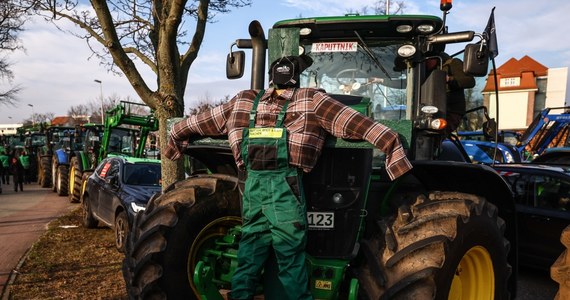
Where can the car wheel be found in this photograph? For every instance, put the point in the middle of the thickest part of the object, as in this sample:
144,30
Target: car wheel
121,231
89,220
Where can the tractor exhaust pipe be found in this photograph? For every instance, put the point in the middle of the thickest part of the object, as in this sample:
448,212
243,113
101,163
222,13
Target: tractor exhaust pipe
259,45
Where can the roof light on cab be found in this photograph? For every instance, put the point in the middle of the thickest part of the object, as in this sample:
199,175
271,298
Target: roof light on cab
404,28
425,28
305,31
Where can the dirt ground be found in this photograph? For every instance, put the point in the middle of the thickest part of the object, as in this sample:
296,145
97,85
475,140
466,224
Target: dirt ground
71,262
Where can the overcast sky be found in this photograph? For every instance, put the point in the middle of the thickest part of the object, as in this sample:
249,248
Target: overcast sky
56,71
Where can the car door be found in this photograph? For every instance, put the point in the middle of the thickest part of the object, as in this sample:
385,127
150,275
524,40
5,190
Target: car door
108,192
95,184
544,216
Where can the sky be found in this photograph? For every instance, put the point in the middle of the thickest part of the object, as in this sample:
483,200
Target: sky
57,71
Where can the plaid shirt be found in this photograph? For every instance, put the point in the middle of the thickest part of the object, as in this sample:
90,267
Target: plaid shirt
310,115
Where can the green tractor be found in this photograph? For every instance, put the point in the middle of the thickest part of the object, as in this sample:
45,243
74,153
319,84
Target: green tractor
125,132
34,142
56,138
445,230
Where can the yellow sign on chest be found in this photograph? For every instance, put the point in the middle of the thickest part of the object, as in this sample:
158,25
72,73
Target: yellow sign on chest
270,133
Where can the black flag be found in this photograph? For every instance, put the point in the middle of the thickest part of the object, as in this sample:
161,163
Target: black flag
491,35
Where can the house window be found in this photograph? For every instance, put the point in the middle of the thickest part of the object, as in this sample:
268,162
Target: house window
511,81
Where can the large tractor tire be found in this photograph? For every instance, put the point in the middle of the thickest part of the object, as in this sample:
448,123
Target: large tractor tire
176,226
62,181
44,172
448,245
54,174
75,180
560,270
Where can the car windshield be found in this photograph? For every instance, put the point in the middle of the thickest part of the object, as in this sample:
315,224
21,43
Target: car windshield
368,70
142,174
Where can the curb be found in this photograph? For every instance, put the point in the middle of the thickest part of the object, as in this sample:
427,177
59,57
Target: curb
5,295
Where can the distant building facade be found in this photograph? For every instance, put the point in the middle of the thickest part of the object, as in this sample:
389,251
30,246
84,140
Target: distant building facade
525,87
9,128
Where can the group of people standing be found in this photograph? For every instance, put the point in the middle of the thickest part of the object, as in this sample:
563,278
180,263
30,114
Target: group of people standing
16,164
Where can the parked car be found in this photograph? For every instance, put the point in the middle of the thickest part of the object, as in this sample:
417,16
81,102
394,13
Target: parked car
118,189
542,195
557,155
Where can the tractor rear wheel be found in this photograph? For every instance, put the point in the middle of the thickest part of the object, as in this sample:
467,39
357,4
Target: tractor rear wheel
54,176
448,245
44,172
75,176
62,180
166,239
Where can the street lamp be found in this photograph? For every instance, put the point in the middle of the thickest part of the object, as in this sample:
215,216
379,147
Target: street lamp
101,85
33,115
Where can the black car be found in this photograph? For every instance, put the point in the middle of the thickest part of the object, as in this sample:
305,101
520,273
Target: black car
542,195
118,189
557,155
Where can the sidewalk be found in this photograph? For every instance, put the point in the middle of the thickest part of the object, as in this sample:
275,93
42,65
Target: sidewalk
23,218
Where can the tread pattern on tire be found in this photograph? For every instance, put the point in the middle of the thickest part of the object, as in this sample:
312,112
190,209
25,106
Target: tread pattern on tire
63,180
75,190
45,172
151,230
404,260
560,270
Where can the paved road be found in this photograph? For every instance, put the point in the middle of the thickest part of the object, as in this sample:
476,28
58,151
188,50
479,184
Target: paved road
23,218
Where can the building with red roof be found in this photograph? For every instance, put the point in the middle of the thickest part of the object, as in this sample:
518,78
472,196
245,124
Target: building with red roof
525,88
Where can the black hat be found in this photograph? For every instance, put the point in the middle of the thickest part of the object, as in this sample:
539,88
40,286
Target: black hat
285,71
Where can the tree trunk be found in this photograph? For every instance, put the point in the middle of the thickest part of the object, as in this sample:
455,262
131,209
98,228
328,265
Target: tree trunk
171,170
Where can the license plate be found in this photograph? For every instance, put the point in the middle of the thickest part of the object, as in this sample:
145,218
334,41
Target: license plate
320,220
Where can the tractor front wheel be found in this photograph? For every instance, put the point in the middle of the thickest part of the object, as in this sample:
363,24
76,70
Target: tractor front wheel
75,177
177,227
62,180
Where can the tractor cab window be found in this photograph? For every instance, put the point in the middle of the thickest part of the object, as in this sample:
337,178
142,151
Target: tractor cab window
368,70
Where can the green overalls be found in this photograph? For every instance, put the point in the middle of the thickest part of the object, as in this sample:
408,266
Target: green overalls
273,212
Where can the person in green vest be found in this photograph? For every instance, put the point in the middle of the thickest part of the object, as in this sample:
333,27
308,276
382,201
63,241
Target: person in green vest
25,161
5,170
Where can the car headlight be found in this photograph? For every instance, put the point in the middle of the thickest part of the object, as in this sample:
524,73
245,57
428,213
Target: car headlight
136,208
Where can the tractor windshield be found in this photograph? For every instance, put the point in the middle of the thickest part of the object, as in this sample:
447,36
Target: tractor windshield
369,70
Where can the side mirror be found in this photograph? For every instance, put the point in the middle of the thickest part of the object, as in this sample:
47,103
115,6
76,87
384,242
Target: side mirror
112,180
476,60
235,63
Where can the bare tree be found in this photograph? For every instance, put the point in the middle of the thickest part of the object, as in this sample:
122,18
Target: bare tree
381,8
206,104
12,19
152,32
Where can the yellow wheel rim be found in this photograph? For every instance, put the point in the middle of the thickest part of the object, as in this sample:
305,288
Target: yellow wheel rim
213,230
71,180
474,277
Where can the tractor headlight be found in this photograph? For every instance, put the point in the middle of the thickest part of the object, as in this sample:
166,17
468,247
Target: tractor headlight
406,50
404,28
426,28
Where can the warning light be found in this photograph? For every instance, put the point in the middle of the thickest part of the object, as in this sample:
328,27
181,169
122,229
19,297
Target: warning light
445,5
